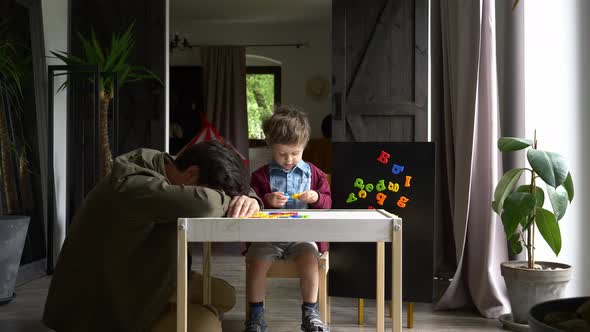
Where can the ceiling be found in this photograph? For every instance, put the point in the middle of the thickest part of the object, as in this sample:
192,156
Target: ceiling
252,11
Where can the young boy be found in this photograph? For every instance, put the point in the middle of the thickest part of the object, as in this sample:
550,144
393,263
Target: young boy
287,133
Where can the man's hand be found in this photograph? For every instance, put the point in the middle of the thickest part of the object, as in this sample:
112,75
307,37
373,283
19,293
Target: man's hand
276,199
242,206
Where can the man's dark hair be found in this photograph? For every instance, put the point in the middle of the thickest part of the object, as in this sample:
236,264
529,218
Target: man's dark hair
219,167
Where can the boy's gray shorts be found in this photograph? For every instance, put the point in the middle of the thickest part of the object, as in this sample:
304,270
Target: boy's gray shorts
280,250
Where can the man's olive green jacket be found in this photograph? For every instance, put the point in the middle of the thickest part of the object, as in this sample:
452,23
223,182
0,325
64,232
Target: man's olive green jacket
117,267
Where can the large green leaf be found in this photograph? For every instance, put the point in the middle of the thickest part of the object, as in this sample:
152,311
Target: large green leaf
515,244
89,51
505,186
97,48
559,200
506,144
517,207
568,184
549,229
539,194
550,166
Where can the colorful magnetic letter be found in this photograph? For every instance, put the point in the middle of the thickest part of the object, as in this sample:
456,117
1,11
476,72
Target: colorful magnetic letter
351,198
401,202
369,187
396,169
380,185
384,157
393,187
362,194
408,179
380,198
359,183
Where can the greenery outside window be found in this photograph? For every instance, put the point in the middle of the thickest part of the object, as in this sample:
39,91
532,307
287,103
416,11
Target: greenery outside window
263,91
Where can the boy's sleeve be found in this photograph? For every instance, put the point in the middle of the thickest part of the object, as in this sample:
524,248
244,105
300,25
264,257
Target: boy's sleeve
259,182
322,187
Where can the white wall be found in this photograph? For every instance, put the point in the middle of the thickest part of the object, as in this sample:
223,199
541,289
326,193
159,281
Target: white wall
55,27
297,64
557,87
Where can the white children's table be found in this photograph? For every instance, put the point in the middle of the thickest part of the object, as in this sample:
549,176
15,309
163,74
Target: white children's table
321,226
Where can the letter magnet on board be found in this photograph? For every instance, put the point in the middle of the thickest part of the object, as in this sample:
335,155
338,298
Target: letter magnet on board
401,202
380,198
383,157
351,198
362,194
408,179
380,185
396,169
393,187
359,183
369,187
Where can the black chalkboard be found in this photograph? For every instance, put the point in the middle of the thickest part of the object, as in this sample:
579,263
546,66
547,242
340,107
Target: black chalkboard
397,177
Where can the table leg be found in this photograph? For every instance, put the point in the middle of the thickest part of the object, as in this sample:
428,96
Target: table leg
380,287
206,273
396,276
181,277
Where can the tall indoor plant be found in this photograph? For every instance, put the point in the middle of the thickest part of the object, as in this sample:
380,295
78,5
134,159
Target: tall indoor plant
522,211
114,59
13,227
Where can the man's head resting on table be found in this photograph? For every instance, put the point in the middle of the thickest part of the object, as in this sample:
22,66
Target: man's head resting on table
210,164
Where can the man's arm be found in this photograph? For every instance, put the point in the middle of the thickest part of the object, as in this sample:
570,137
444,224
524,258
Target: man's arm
157,200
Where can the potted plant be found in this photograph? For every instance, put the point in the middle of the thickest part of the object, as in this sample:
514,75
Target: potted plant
523,210
109,60
13,228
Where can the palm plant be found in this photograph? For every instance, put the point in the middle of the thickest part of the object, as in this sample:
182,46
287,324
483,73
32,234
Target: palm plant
10,96
524,206
112,60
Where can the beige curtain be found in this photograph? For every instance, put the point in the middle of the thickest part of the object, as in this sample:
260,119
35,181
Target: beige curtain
224,78
466,128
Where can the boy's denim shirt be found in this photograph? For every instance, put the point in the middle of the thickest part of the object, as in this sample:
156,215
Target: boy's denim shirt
297,180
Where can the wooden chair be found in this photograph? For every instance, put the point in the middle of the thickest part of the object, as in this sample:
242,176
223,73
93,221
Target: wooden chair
288,269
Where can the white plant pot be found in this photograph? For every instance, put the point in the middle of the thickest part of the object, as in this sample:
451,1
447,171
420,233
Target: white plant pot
528,287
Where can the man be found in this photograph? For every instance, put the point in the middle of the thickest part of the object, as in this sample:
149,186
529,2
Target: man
117,267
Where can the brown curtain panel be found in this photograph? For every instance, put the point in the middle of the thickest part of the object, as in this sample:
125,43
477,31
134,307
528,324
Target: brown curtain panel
224,80
466,128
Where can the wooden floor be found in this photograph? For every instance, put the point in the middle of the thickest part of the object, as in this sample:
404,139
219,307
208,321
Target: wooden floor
283,313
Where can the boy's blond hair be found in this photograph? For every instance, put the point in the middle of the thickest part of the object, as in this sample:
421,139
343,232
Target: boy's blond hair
288,125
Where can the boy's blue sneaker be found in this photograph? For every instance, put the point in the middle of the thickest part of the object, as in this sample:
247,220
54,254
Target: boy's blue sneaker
256,325
311,321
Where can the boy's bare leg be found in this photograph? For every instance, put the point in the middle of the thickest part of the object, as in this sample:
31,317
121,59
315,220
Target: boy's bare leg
309,280
256,284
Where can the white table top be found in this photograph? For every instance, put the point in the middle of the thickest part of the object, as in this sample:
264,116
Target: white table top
321,225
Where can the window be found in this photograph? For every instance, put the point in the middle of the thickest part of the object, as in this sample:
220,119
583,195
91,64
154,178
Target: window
263,91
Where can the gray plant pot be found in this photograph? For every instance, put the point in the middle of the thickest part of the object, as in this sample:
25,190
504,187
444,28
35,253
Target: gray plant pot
13,231
528,287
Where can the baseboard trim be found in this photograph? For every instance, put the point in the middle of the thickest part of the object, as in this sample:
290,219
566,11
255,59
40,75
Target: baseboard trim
31,271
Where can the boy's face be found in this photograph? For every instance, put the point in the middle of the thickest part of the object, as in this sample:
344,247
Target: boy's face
287,156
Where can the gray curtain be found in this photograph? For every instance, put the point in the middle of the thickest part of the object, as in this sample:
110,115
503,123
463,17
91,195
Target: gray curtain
466,128
224,78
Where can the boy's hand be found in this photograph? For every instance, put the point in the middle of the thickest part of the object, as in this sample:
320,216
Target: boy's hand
242,206
276,199
309,196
